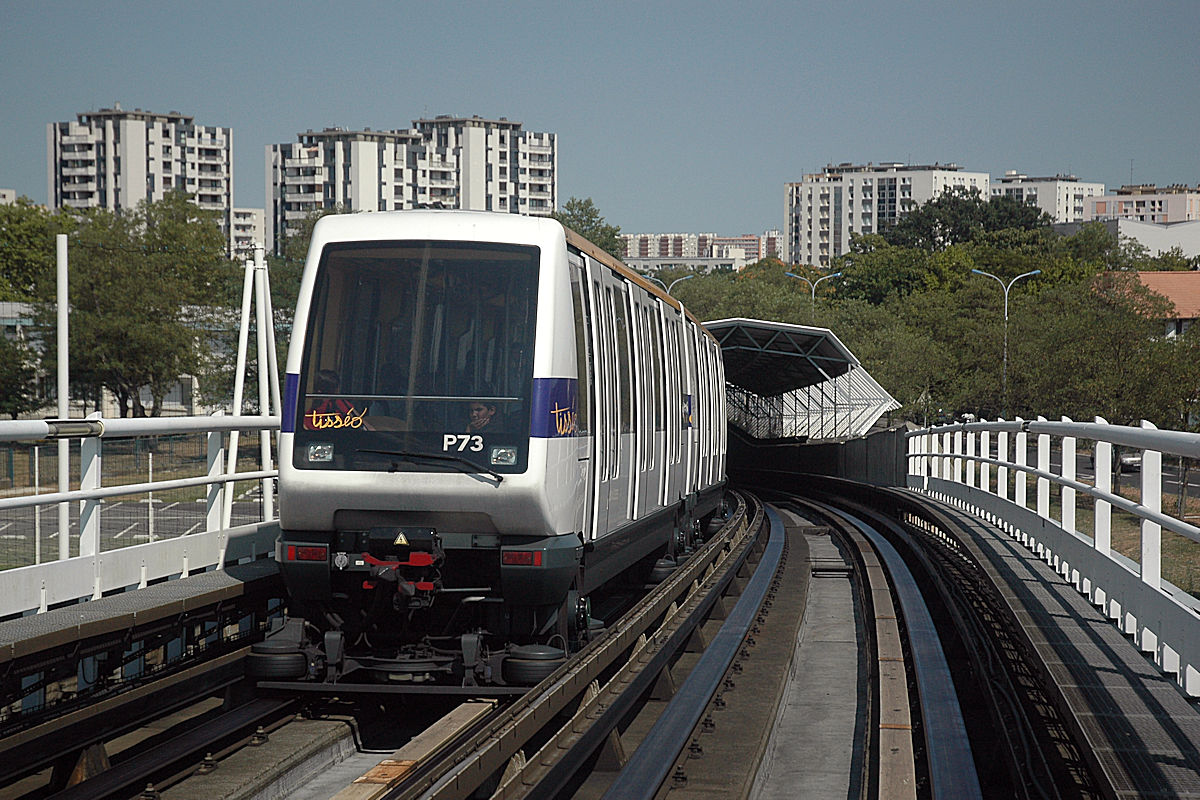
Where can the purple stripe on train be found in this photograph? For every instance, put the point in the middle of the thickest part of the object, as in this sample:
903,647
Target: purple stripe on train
555,408
291,391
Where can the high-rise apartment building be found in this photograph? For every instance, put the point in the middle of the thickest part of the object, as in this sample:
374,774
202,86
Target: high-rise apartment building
823,209
1063,197
449,162
115,159
1147,203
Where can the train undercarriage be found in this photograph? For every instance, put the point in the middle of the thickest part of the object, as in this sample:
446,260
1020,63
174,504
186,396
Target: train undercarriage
402,607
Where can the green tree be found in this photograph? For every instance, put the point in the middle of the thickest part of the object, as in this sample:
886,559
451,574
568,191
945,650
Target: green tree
960,215
874,270
136,283
18,379
1092,349
27,248
584,218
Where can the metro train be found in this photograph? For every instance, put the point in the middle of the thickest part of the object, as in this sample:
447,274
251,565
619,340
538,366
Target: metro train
486,421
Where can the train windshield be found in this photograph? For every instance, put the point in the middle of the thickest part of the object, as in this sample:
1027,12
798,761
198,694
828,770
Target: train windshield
419,357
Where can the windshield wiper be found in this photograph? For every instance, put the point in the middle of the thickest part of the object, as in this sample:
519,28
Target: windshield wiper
458,461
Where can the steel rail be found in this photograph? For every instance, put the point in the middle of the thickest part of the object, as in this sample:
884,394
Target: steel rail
648,767
127,777
473,760
964,593
949,758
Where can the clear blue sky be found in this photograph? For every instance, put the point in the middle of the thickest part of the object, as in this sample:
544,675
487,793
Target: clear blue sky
671,116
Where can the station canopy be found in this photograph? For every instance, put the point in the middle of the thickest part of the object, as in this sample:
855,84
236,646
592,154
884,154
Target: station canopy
795,381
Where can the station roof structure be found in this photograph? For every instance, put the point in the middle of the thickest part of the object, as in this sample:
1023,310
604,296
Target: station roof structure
787,380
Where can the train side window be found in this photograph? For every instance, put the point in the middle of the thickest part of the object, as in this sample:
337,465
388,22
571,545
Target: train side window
621,341
583,348
656,355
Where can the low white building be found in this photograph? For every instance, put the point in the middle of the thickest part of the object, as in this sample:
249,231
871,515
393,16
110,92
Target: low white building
1156,237
8,197
1063,197
1147,203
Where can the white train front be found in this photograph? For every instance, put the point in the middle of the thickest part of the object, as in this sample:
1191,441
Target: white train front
486,421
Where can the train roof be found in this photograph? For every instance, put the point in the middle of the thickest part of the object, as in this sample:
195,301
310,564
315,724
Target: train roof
614,263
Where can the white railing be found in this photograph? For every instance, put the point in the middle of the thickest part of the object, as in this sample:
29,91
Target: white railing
99,565
962,464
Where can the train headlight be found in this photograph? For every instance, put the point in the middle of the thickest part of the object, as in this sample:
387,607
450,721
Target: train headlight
504,456
320,452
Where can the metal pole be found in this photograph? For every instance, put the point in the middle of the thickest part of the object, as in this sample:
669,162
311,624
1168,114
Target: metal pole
37,510
1006,287
239,382
677,280
64,407
150,495
264,370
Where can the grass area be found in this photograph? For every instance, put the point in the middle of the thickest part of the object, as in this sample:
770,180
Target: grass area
1180,556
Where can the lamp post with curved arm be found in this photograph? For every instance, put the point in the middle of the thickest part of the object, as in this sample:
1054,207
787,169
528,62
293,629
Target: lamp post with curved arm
813,284
677,280
1006,287
656,280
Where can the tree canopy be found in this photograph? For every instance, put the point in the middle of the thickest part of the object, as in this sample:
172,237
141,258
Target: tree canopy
1085,337
137,280
584,218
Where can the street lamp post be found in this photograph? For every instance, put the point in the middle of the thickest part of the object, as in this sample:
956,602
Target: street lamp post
1006,287
813,284
666,288
677,280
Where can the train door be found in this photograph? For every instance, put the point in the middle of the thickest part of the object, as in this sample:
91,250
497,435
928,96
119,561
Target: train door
638,369
688,359
586,388
602,391
662,383
621,485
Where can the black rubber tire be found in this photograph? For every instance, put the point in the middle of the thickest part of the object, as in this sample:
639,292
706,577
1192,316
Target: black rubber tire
276,665
531,664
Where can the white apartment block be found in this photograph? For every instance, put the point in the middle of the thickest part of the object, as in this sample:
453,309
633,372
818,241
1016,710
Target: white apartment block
1147,203
667,245
823,209
747,247
448,162
8,197
1063,197
115,159
249,231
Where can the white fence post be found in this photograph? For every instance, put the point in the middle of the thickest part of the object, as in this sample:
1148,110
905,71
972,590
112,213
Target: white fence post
1102,467
1019,478
985,450
1068,472
958,451
89,478
1002,456
1151,499
216,491
1043,465
971,460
